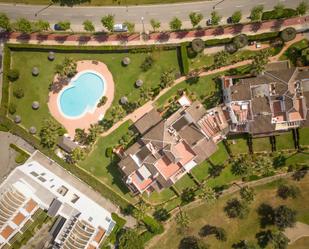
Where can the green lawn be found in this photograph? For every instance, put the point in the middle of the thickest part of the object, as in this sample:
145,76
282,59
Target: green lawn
304,136
184,182
201,171
220,156
237,229
102,3
156,197
261,144
103,167
301,157
206,86
225,177
285,141
36,88
238,145
294,51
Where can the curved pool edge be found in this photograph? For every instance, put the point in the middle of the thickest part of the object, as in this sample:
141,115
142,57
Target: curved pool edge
88,109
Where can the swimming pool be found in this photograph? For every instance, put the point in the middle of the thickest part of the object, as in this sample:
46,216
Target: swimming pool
82,94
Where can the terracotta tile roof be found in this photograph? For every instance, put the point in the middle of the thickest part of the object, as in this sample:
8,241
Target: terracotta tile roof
7,232
191,134
19,218
140,183
147,121
166,167
91,247
98,237
30,205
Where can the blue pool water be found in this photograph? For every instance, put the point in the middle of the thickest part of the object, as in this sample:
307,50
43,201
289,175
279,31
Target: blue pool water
82,94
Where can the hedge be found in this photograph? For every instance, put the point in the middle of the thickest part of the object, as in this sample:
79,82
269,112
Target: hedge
120,222
5,80
215,42
152,225
184,59
264,36
287,13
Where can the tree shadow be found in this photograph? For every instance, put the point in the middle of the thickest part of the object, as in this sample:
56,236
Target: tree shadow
41,37
61,38
207,230
23,37
254,27
181,34
101,37
163,36
122,38
236,29
199,33
277,25
218,31
83,39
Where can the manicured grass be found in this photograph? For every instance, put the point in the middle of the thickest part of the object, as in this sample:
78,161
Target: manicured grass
285,141
36,88
238,145
304,136
206,86
301,157
172,204
184,182
225,177
156,197
105,168
220,156
103,3
201,171
237,229
261,144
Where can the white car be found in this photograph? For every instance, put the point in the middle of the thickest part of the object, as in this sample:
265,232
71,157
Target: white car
119,27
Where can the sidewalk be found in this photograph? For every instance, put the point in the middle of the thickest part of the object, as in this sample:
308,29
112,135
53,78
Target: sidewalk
299,23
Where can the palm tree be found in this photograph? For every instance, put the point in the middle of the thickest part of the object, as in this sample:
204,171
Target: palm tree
182,221
141,210
208,194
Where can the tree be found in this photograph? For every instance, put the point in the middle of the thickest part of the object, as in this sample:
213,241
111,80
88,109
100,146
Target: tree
302,8
188,195
195,18
192,242
241,166
260,61
175,24
93,132
288,34
220,58
130,239
5,22
263,238
161,214
155,24
256,13
78,154
147,63
67,69
235,208
284,217
208,194
64,25
69,3
279,161
215,18
81,136
166,78
130,26
141,210
182,221
215,170
266,214
50,132
243,244
263,165
19,93
240,41
286,191
198,45
247,194
236,17
220,234
41,25
23,25
108,22
278,9
279,240
300,174
13,74
88,26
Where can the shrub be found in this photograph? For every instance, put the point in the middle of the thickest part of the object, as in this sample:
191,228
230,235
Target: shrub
236,17
188,195
102,101
152,225
18,93
161,214
109,152
302,8
231,48
215,42
288,34
12,108
264,36
286,191
273,14
198,45
256,13
184,60
191,53
240,41
147,63
13,74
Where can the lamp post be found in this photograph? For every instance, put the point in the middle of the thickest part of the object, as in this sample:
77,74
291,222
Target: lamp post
142,19
44,8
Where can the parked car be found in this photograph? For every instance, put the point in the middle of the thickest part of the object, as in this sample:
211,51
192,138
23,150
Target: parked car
57,27
229,20
119,27
209,22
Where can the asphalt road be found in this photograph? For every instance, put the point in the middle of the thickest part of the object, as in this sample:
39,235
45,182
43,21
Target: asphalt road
163,13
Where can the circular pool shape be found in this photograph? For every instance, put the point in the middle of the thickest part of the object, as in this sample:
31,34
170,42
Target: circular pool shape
81,95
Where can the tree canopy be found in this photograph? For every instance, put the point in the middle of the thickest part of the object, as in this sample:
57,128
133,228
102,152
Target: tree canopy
215,18
236,17
256,13
195,18
50,132
23,25
108,22
130,239
4,22
192,242
302,8
155,24
88,26
70,3
175,24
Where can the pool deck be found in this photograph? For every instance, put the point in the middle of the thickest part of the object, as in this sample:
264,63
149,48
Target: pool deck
85,121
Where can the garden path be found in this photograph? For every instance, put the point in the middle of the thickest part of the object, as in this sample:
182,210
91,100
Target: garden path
298,231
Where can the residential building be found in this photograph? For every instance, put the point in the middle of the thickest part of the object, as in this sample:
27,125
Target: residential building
81,223
169,148
274,101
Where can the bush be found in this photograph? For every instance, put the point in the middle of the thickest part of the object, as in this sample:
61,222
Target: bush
288,34
161,214
13,74
263,37
152,225
285,13
147,63
240,41
216,42
102,101
109,152
198,45
12,108
188,195
18,93
184,60
231,48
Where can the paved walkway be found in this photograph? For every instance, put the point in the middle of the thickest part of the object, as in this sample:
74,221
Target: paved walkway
298,231
300,23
